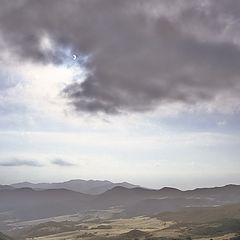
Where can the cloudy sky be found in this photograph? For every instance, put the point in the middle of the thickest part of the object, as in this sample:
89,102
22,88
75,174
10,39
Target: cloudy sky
145,91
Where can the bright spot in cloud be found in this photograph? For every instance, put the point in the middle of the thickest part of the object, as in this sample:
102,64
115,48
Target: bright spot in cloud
39,86
46,43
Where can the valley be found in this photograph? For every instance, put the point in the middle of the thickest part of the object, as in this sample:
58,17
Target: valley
121,213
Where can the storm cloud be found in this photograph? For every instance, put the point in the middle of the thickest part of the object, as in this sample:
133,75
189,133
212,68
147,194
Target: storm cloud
140,54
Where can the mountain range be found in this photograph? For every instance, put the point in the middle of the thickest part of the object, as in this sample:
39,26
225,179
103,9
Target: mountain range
30,204
77,185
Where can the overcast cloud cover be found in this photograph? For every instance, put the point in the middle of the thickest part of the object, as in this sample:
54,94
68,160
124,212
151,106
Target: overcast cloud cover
139,53
62,59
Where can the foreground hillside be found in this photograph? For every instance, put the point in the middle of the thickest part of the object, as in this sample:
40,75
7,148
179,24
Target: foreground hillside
4,237
202,215
165,226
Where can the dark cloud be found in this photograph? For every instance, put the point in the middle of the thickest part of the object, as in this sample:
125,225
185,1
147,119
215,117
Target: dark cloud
143,53
61,162
19,162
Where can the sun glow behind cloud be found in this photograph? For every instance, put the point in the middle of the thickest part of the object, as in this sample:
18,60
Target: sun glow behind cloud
38,87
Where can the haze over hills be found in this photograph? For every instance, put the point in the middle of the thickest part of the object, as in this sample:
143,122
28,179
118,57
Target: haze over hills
29,204
140,201
127,213
6,187
77,185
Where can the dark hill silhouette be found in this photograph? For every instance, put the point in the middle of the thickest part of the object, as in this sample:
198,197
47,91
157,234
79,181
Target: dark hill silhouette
170,191
133,234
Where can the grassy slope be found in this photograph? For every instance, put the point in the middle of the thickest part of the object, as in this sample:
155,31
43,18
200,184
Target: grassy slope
4,237
210,221
202,215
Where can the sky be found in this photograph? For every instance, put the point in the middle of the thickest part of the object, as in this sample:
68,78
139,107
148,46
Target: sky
144,91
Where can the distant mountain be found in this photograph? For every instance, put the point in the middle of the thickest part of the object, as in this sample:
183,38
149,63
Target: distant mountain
78,185
29,204
227,193
6,187
217,195
140,201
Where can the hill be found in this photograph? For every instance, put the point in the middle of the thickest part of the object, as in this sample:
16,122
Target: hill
202,215
140,201
133,234
30,204
2,187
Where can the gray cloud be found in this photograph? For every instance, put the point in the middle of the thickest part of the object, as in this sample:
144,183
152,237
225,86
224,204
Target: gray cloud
19,162
143,53
61,162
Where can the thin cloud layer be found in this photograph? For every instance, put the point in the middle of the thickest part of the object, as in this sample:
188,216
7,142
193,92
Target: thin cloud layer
140,54
62,163
19,163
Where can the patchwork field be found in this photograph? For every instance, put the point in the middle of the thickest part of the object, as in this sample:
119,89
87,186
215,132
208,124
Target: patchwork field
135,228
112,228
